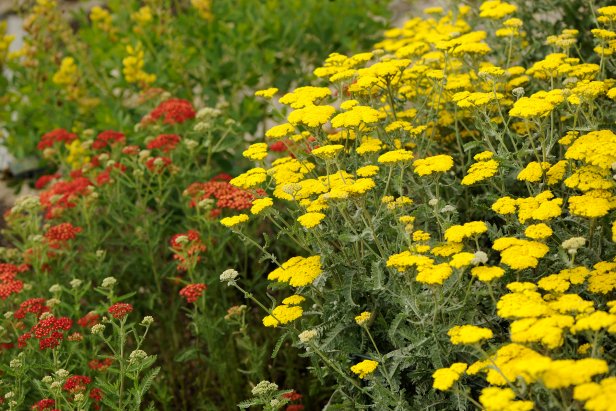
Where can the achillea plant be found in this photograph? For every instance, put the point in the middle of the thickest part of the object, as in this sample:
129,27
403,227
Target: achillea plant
455,210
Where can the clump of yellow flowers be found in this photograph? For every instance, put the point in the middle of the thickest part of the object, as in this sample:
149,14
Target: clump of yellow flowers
462,198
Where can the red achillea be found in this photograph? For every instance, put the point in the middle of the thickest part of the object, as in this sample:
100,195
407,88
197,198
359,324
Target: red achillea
8,284
192,292
46,404
76,383
89,320
279,147
172,111
62,232
43,181
152,166
100,365
292,396
120,310
108,138
34,306
64,194
164,142
104,176
58,135
131,150
226,195
96,394
22,340
50,331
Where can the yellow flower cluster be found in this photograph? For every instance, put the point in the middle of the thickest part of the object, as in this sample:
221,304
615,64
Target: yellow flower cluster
133,65
297,271
364,368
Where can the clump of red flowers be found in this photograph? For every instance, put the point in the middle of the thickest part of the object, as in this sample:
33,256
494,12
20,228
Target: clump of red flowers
8,284
226,195
292,397
192,292
172,111
43,181
49,331
100,365
76,383
120,310
46,404
61,233
164,142
186,248
34,306
64,194
89,320
108,138
58,135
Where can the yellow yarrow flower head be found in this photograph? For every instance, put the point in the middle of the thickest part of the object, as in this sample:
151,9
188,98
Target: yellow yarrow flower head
255,152
499,399
297,271
283,314
486,273
434,164
364,368
261,204
363,318
266,93
328,152
444,378
395,156
235,220
310,220
469,334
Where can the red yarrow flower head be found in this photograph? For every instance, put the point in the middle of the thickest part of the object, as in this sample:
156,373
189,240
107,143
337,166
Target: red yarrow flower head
120,310
192,292
89,320
172,111
164,142
76,383
46,404
58,135
43,181
108,138
186,248
62,232
34,306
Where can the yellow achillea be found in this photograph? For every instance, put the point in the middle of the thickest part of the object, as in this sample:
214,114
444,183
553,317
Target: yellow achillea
461,260
541,207
328,152
434,274
283,314
311,116
565,373
280,131
505,205
367,171
447,249
363,318
480,171
520,254
260,204
500,399
364,368
457,233
305,96
250,178
429,165
255,152
588,178
310,220
358,115
533,172
469,334
369,145
77,155
444,378
538,231
235,220
539,104
404,260
297,271
546,331
596,148
496,9
486,273
395,156
293,300
597,396
266,93
466,99
589,206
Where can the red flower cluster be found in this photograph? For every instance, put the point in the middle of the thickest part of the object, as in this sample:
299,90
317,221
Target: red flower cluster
172,111
46,404
226,195
64,194
58,135
76,383
34,306
293,396
279,147
108,139
100,365
8,284
192,292
89,320
96,394
49,331
152,166
43,181
104,176
120,310
164,142
187,252
61,233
